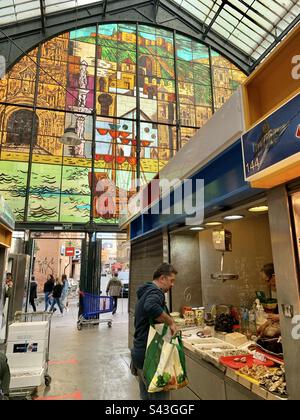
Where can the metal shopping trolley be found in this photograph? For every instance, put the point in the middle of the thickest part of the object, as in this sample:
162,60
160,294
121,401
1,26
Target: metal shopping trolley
27,352
93,307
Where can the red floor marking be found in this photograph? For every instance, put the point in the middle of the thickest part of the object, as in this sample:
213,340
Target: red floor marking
75,396
64,362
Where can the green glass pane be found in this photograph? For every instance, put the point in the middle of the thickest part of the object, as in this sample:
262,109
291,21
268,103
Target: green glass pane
203,95
200,51
185,71
127,27
84,35
16,203
45,179
166,68
147,29
164,33
13,177
43,208
75,181
75,208
201,73
108,55
184,48
107,32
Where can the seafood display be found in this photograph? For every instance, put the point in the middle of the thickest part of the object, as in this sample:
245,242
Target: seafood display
275,381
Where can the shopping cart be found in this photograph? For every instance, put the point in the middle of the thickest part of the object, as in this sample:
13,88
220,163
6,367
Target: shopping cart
93,307
28,352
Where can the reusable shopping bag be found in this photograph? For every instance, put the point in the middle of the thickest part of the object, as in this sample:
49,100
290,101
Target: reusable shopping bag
164,366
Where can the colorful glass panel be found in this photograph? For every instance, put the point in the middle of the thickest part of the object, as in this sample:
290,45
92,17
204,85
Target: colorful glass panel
94,70
43,208
75,208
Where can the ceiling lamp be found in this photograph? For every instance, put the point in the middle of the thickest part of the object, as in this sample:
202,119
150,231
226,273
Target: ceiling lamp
213,224
197,228
234,217
70,137
258,209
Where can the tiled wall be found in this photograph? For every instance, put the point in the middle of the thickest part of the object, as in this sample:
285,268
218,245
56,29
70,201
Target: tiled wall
251,250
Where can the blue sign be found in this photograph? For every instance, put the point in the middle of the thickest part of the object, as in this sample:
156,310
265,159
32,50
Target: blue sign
273,140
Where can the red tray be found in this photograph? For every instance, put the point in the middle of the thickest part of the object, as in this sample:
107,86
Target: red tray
228,361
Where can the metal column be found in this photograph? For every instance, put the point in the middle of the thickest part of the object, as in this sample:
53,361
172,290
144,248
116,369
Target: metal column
286,280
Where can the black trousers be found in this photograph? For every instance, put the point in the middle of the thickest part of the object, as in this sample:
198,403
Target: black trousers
115,299
32,303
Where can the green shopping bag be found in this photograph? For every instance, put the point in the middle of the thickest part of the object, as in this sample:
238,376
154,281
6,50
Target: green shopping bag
164,366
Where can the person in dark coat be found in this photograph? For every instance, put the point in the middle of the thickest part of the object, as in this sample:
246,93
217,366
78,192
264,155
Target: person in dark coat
33,293
48,289
4,377
56,295
151,308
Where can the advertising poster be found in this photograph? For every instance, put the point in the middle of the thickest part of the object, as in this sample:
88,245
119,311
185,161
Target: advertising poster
273,140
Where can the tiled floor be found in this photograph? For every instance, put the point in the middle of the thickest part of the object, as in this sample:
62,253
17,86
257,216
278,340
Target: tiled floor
92,364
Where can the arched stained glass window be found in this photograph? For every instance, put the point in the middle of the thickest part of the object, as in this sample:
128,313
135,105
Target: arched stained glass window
134,94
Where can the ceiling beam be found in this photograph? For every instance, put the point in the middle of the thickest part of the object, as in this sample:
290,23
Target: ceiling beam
156,5
43,17
221,7
104,8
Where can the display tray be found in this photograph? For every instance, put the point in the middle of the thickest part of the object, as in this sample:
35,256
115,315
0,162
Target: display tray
277,394
229,361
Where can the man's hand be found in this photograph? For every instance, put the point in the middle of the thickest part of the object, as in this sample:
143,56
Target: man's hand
167,319
173,329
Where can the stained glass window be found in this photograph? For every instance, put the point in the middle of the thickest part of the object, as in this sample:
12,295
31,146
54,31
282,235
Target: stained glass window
114,89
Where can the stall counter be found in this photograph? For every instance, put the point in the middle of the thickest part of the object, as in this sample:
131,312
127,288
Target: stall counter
215,382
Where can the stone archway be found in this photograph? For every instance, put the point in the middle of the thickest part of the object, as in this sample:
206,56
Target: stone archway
22,126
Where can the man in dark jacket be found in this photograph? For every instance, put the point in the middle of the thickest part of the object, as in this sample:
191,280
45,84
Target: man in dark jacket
56,294
151,308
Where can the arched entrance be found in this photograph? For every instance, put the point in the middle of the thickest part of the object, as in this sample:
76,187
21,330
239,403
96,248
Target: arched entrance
22,125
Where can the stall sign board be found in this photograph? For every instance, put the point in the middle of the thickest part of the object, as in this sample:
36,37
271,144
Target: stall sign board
271,150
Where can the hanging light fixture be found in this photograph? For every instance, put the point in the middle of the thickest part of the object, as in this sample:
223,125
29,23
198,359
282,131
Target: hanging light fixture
70,137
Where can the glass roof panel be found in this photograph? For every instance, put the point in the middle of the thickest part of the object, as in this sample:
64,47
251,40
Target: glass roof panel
11,10
250,25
